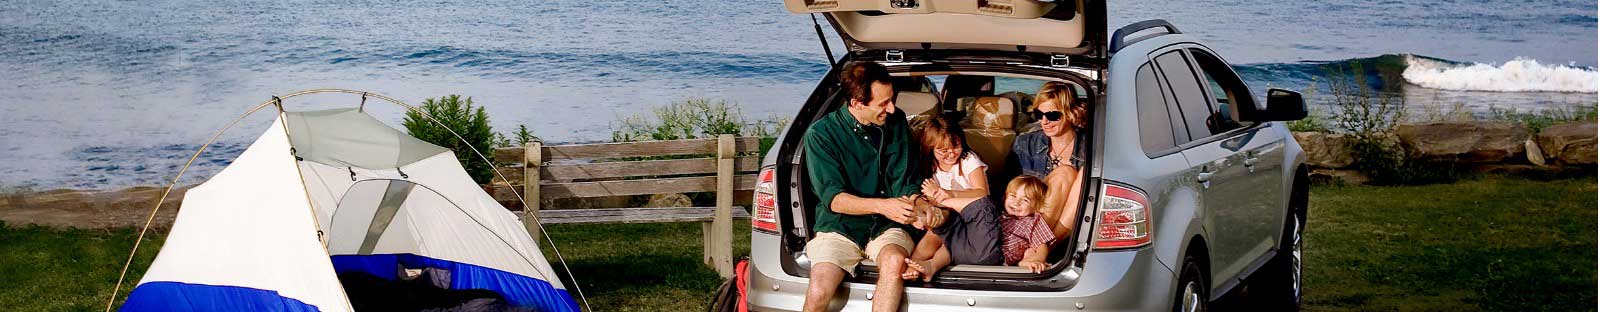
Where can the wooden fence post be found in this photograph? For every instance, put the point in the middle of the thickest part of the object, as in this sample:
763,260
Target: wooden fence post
720,246
532,159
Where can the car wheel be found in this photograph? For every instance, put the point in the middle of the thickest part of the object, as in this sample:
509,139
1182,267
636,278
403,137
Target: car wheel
1192,288
1279,284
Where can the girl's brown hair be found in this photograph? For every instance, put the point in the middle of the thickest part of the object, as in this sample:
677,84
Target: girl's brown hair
937,132
1031,187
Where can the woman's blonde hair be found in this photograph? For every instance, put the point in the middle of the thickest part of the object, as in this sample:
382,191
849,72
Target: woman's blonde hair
1074,112
1029,187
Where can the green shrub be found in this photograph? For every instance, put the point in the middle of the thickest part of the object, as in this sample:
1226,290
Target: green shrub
1370,117
455,113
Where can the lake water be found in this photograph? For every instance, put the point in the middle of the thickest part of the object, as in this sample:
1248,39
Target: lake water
107,94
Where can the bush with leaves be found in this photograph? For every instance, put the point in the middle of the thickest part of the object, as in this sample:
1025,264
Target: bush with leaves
454,113
1370,118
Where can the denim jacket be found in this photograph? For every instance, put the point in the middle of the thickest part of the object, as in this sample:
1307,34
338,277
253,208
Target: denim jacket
1033,153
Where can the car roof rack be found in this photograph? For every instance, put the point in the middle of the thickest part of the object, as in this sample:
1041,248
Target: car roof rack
1118,41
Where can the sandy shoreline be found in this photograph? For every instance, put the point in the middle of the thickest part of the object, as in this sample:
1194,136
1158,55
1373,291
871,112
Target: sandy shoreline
89,209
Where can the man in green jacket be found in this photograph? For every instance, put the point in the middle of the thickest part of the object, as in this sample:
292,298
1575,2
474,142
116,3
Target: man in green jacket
860,161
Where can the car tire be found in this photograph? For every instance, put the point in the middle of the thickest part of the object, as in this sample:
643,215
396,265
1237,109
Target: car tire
1279,285
1193,291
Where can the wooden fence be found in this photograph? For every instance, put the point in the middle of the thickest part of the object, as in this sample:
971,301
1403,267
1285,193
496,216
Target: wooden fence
722,165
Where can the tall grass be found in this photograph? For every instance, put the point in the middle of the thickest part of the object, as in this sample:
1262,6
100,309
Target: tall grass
694,118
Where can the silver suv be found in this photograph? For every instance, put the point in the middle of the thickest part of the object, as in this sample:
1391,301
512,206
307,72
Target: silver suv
1198,189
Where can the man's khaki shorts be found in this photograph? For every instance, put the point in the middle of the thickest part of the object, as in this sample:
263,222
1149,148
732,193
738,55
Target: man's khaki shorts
830,247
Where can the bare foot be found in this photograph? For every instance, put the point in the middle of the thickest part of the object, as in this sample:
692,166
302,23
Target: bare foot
913,270
924,267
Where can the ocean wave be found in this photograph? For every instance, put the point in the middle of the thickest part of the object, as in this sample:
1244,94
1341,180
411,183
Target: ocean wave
1518,75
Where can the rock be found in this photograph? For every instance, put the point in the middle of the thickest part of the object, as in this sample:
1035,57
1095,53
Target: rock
1535,154
1338,177
669,200
1465,141
1569,143
1325,150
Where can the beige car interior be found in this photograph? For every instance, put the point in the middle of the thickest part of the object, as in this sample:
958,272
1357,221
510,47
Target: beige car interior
917,103
989,127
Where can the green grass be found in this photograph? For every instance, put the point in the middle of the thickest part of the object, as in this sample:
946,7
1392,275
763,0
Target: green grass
1493,243
44,269
1488,244
642,267
622,267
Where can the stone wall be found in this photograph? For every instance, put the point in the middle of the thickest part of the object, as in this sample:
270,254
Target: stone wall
1484,145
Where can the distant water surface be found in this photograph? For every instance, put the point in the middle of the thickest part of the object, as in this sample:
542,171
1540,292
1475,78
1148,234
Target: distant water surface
107,94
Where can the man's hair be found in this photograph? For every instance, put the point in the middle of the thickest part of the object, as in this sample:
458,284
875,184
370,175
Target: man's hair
1031,188
1066,100
857,80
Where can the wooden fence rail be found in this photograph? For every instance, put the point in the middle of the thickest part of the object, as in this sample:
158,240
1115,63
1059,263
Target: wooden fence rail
721,165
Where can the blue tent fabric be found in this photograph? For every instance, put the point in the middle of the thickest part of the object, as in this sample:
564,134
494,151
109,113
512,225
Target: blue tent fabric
175,296
519,290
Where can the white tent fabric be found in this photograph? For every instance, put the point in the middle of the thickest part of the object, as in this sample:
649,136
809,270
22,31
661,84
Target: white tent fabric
248,238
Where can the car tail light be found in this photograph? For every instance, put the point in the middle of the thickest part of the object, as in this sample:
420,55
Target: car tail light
1124,219
764,217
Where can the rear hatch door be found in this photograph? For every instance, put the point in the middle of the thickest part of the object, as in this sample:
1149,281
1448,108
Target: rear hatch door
1070,27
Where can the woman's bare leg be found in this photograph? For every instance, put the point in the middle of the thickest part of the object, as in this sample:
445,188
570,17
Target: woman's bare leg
1057,197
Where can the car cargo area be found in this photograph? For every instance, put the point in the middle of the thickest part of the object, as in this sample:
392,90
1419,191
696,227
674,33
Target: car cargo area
991,110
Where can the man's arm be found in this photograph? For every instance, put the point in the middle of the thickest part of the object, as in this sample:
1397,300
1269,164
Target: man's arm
893,208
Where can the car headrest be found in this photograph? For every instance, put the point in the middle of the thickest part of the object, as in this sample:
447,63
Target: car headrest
989,112
917,103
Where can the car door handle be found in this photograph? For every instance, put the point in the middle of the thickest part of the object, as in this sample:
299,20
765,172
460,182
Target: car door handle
1205,176
1251,161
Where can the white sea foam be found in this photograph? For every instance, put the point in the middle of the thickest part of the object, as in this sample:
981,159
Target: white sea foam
1518,75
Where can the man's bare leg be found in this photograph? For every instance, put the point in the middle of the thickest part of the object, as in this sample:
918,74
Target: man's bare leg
825,279
891,262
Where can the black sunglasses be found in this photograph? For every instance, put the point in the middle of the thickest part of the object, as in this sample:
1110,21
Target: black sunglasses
1050,115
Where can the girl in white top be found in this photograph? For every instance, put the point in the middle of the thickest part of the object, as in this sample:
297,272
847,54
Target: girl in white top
960,182
957,171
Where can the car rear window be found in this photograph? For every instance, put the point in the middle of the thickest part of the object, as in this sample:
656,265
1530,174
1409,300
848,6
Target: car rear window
1155,123
1185,89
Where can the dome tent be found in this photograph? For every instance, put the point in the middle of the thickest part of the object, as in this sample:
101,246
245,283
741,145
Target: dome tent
325,193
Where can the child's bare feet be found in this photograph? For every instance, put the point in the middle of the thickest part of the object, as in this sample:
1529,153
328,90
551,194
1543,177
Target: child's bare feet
925,268
913,270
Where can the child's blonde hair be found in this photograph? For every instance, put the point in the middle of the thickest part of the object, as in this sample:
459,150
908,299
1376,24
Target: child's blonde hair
1030,187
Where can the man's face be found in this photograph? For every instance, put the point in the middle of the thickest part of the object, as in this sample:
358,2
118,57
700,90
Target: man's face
876,111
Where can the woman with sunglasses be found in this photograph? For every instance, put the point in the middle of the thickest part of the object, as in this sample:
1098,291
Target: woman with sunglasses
1055,153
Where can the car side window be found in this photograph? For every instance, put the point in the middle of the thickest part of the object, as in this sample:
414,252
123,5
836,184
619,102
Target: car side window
1229,95
1155,122
1184,88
